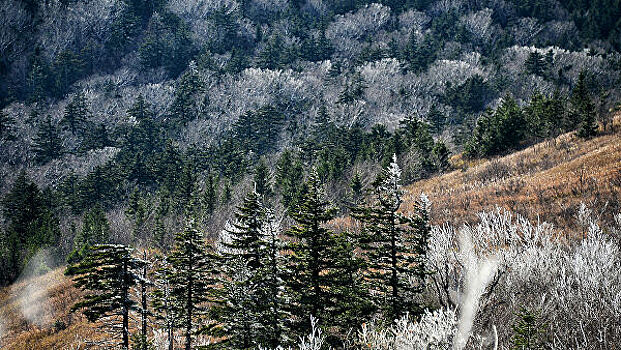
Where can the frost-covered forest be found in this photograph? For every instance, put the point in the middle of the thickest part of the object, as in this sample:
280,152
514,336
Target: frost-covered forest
239,164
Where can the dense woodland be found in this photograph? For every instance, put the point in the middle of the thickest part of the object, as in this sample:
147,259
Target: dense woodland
192,154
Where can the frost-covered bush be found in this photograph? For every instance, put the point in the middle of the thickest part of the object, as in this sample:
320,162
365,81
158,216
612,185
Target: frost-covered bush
574,282
434,330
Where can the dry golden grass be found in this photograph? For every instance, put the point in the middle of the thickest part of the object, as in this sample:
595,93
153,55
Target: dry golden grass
54,294
546,182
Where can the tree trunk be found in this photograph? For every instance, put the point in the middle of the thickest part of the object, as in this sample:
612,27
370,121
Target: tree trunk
143,292
125,310
188,321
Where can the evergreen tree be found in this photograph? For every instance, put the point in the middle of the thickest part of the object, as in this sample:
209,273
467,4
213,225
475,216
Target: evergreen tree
76,114
536,63
210,195
440,155
190,280
163,302
140,109
316,262
393,246
6,126
251,283
29,224
262,179
107,274
47,142
528,331
583,108
356,186
289,178
95,230
98,137
184,106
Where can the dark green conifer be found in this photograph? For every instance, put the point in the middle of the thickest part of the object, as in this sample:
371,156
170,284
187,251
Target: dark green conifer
107,274
47,142
393,246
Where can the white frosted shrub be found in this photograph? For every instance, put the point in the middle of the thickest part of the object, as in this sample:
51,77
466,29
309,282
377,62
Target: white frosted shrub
434,330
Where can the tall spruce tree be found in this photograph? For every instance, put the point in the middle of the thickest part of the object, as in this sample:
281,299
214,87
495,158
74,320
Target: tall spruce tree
583,108
76,114
162,301
95,230
47,142
30,225
393,246
315,264
251,281
190,280
107,274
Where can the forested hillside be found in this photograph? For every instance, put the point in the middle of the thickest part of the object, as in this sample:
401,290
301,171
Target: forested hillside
256,150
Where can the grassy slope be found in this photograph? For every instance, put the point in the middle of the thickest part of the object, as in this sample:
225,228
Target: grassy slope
546,181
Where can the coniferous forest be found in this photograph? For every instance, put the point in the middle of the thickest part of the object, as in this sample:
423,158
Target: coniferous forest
310,174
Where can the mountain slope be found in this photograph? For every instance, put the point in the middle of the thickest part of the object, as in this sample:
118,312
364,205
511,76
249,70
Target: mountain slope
547,181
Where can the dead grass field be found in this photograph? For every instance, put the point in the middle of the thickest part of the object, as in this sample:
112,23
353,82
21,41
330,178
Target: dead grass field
546,182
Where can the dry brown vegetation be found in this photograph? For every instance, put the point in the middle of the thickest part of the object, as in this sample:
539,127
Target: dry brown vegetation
545,182
54,295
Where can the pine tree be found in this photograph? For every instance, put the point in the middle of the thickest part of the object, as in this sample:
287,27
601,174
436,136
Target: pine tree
271,289
6,126
315,261
107,274
440,155
535,63
393,246
29,224
528,331
140,110
162,301
356,186
190,280
47,143
289,178
95,230
210,196
250,282
262,179
76,114
583,108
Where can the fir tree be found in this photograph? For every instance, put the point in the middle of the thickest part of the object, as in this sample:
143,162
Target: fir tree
440,155
536,63
95,230
393,246
29,224
165,312
583,108
107,274
250,280
289,178
189,278
47,143
356,186
6,126
76,114
315,280
528,331
262,179
210,196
